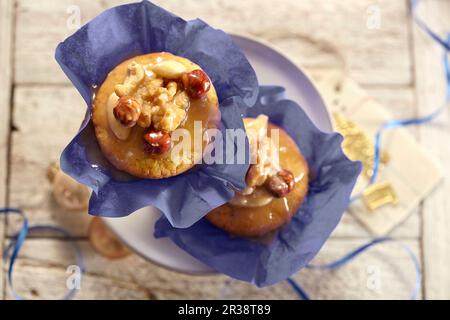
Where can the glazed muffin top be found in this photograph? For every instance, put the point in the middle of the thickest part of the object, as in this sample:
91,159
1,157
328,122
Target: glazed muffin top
277,183
140,105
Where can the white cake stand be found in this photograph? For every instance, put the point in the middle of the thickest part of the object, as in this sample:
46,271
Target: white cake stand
272,68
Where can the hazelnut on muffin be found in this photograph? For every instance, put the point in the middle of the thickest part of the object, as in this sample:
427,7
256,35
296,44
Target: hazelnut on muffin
277,183
142,102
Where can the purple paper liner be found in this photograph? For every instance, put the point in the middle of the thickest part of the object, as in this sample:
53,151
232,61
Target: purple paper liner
332,178
121,33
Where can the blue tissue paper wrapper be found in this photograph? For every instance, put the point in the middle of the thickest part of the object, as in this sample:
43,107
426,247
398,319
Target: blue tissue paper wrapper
125,31
332,178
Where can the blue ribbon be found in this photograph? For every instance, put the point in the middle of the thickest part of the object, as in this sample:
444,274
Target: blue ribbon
445,44
13,249
414,121
353,254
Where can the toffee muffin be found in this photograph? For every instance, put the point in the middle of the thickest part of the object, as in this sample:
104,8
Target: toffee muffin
277,183
142,102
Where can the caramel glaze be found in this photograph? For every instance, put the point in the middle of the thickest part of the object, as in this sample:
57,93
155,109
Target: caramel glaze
259,221
129,155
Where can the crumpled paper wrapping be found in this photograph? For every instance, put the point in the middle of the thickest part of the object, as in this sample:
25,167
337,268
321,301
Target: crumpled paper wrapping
332,178
121,33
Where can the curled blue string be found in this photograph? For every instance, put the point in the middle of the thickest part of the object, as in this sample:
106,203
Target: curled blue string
20,237
298,289
13,249
409,122
353,254
445,44
424,27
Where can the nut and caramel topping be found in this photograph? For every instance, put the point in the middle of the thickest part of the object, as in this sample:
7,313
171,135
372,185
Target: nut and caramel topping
265,178
156,98
169,69
281,183
127,111
134,78
265,156
196,83
157,141
120,131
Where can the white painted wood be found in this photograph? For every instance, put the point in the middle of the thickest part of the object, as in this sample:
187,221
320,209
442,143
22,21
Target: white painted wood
40,272
29,187
6,32
378,59
429,80
298,27
46,119
384,272
349,227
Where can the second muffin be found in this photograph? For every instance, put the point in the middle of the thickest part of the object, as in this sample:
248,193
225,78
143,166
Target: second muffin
277,183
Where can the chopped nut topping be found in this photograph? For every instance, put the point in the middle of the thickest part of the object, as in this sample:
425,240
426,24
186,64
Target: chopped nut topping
127,111
172,89
281,183
116,127
168,118
196,83
157,97
135,76
145,119
264,158
157,141
169,69
265,179
181,99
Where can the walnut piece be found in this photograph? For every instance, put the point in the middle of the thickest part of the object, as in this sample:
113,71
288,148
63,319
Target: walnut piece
169,117
153,96
181,99
145,119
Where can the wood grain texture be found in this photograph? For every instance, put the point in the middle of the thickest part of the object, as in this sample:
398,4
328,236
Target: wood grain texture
37,103
298,27
430,88
6,35
35,144
380,60
385,272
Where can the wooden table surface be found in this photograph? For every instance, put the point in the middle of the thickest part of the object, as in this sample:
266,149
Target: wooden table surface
40,111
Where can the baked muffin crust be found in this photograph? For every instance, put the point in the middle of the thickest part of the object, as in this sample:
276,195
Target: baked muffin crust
259,213
147,81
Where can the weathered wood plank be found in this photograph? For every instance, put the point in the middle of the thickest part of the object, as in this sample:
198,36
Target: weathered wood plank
349,227
300,28
430,88
382,64
6,32
29,188
46,118
36,42
384,272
